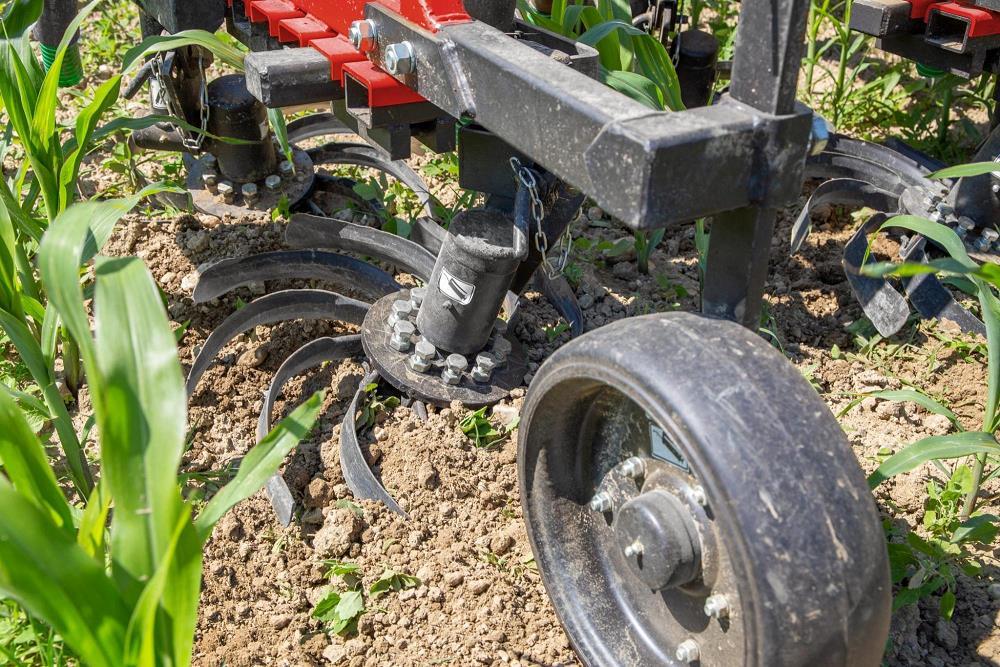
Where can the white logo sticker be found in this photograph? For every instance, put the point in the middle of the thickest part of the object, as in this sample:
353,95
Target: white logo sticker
455,289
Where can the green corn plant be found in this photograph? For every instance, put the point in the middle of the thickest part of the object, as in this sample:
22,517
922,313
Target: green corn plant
119,587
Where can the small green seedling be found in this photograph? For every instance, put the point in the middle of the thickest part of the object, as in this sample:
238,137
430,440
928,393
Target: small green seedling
340,611
556,330
481,431
391,580
375,404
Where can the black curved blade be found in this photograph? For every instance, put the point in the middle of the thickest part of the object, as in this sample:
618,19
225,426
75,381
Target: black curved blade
229,274
311,231
309,355
306,304
933,300
357,474
884,167
315,125
848,191
884,306
363,155
562,298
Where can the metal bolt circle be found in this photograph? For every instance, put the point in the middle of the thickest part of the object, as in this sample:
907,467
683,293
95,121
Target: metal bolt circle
363,35
425,350
225,188
633,467
601,502
272,182
399,59
688,651
456,363
716,606
404,328
633,549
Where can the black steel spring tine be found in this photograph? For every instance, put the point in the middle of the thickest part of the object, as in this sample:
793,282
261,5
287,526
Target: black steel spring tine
357,474
311,231
884,306
932,300
562,298
315,125
427,233
848,191
308,356
229,274
890,159
306,304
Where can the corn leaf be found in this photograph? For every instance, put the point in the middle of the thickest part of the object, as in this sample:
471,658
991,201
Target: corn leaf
225,52
970,169
50,576
260,463
950,446
24,461
93,522
86,122
911,395
19,16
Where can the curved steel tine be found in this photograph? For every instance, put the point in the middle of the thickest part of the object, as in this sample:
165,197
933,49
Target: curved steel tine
311,231
849,191
884,306
309,355
315,125
932,300
884,156
313,353
306,304
357,474
229,274
428,233
562,298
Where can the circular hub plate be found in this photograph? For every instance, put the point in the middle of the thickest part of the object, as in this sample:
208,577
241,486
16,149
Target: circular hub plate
294,189
391,364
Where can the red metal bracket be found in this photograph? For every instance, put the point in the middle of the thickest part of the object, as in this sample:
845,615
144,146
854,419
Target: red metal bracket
302,30
428,14
339,52
272,11
383,89
982,22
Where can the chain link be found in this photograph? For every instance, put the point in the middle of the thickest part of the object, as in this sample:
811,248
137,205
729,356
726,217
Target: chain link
541,240
190,142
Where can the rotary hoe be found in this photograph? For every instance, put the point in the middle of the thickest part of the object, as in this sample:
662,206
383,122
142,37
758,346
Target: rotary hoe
688,497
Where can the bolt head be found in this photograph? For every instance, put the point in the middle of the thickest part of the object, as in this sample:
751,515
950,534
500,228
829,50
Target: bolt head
688,651
634,467
634,549
820,135
456,363
404,328
501,348
480,375
698,495
363,35
601,502
966,223
400,342
285,168
399,59
425,350
485,362
418,364
417,296
401,308
249,190
210,179
226,188
272,182
716,606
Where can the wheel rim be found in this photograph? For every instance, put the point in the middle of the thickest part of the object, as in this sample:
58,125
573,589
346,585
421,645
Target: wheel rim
594,430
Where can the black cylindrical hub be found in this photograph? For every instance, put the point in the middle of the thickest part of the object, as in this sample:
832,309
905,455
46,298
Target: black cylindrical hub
699,51
234,113
471,276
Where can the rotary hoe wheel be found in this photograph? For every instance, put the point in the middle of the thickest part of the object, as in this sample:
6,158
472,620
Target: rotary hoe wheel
691,500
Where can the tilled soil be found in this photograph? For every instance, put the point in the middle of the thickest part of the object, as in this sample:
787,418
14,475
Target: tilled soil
479,598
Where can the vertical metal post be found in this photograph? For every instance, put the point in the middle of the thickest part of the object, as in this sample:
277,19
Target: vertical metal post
769,43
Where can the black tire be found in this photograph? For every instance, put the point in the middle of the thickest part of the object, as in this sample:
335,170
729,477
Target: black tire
799,535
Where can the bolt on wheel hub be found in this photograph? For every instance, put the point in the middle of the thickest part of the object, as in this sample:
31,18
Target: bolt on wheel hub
659,540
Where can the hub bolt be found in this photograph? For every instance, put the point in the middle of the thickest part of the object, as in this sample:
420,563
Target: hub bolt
991,234
454,366
226,191
363,35
945,209
501,348
417,296
601,502
698,495
272,182
210,179
633,549
716,606
634,467
401,336
483,369
688,651
399,59
401,310
423,354
983,244
250,194
285,169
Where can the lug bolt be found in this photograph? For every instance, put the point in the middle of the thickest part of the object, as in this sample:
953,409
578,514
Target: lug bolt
417,296
483,369
250,193
401,310
401,336
454,366
982,244
634,467
423,354
991,234
698,495
945,209
688,651
501,348
285,169
995,188
226,191
210,179
363,35
633,549
272,182
399,59
716,606
601,502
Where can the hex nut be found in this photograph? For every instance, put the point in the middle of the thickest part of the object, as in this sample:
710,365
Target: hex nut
285,168
456,363
272,182
417,364
363,35
601,502
249,192
688,651
425,350
400,343
210,179
226,191
634,467
716,606
417,296
966,223
480,375
400,310
399,59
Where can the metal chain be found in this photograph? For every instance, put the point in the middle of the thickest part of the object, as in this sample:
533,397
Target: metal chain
541,240
190,142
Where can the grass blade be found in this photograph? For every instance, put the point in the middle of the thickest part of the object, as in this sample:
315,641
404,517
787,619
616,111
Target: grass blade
950,446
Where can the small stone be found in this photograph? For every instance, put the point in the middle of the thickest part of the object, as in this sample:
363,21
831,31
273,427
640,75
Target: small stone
888,409
334,653
197,242
937,424
994,591
339,530
428,476
318,493
189,282
622,270
281,621
946,633
479,586
453,579
586,301
501,544
595,213
447,510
